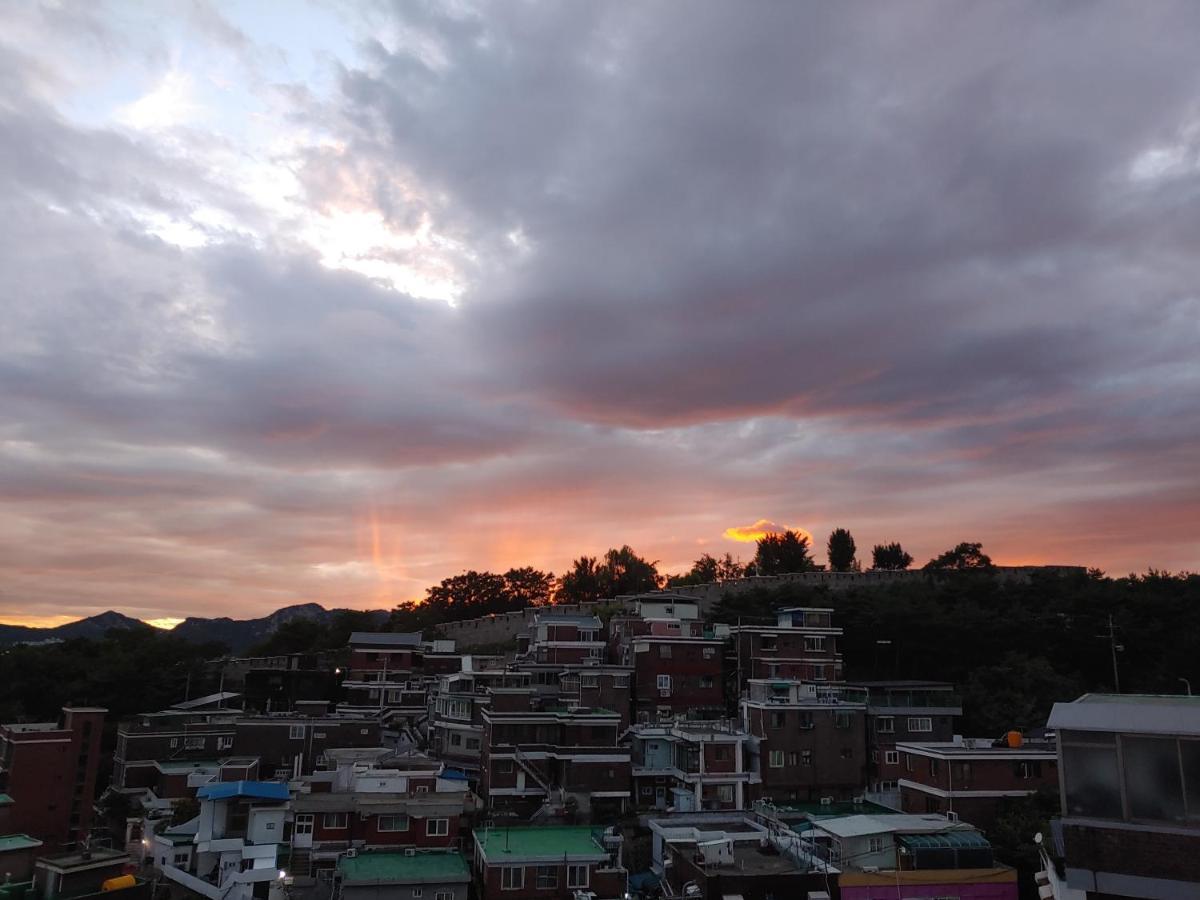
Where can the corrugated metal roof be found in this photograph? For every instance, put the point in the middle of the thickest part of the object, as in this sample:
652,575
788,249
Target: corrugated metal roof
957,840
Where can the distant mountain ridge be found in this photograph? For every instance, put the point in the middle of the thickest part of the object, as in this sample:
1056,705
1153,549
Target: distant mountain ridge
237,634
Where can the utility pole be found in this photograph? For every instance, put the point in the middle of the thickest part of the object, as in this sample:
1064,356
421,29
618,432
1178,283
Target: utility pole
1112,646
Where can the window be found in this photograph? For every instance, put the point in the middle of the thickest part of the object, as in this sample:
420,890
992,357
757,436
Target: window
181,859
437,827
934,768
875,845
841,720
512,878
444,895
621,681
504,766
577,876
455,739
920,724
814,644
710,652
664,682
664,651
590,681
885,725
1033,768
706,681
806,757
806,719
395,696
422,789
334,820
875,756
891,757
776,759
646,791
793,758
193,743
296,732
769,642
932,805
472,743
908,761
417,892
778,719
547,877
224,742
393,823
174,743
847,753
725,793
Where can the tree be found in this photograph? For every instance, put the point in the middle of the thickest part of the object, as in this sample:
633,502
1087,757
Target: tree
784,552
580,583
709,570
729,568
963,558
841,550
890,557
529,586
184,810
621,572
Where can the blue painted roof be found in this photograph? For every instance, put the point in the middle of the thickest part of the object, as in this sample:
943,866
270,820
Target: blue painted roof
453,775
258,790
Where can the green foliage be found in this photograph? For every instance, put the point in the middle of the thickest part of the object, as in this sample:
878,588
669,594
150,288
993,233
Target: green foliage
841,550
963,558
779,554
1018,819
708,569
1014,647
621,572
890,557
184,810
312,636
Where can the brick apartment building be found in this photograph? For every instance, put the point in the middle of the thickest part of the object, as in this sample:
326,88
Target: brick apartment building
172,754
690,765
1130,795
375,800
803,644
562,639
545,863
678,661
456,703
903,711
386,675
564,759
808,741
48,774
968,778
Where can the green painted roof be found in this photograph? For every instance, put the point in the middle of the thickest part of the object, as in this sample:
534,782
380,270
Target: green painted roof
944,840
425,868
5,800
17,842
540,843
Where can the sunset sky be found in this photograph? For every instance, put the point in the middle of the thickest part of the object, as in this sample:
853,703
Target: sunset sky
329,301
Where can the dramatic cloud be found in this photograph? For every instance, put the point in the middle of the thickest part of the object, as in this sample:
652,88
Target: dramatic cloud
333,306
749,534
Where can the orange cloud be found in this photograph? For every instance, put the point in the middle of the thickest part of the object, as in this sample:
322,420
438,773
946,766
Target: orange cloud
749,534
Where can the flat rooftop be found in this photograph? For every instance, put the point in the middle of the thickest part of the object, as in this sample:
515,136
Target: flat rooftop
11,842
550,842
896,823
978,747
398,868
386,638
751,859
1129,714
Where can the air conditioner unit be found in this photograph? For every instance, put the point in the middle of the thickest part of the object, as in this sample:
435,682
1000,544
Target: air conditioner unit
351,853
870,870
861,798
827,801
410,851
664,692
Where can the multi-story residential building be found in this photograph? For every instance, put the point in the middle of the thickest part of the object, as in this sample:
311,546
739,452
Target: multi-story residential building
677,661
168,755
238,835
431,875
908,856
48,776
562,639
456,703
544,863
552,760
808,741
968,778
375,800
901,711
803,645
691,765
386,675
733,856
1129,789
597,687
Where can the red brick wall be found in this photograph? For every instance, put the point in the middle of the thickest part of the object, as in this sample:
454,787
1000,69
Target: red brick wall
606,884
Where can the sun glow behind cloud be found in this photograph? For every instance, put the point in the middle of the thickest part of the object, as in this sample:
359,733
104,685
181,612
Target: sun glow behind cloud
749,534
166,623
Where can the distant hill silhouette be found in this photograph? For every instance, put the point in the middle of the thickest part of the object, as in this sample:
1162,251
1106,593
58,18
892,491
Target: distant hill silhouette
237,634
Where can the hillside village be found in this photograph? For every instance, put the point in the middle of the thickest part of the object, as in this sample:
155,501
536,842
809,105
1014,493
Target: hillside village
628,748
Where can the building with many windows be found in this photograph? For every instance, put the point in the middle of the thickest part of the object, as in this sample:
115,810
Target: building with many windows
1130,798
802,645
808,741
545,863
969,778
687,766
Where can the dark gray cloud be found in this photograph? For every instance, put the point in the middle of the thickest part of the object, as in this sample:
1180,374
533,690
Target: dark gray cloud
917,266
